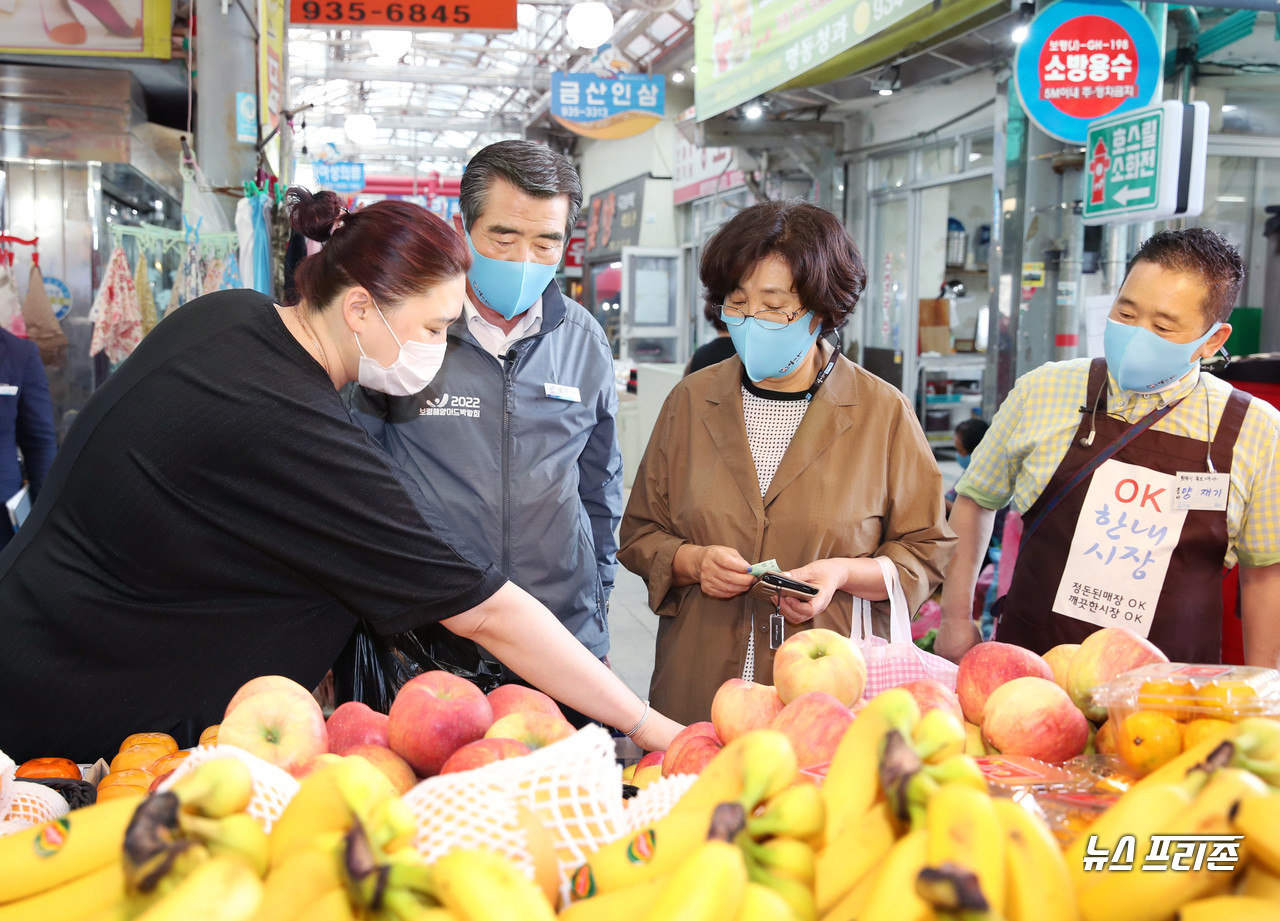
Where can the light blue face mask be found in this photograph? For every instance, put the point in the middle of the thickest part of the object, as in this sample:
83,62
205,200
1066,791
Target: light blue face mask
773,352
510,288
963,460
1143,362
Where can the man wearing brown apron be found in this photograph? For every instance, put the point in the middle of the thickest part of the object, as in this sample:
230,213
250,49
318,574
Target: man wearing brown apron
1139,480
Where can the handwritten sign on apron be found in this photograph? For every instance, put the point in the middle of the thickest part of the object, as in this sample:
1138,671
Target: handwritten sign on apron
1121,548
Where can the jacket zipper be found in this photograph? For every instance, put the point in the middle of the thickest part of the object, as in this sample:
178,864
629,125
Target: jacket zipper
508,407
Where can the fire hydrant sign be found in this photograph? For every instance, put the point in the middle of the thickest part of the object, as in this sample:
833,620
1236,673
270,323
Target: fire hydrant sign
1147,164
1122,547
1082,61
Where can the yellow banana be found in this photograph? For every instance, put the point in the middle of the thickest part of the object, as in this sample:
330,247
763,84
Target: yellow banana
798,895
789,857
893,896
938,735
760,903
852,783
216,788
79,898
964,831
1258,737
1153,896
1230,908
478,885
653,851
237,835
852,903
909,799
1257,881
333,905
1038,886
1259,821
958,769
796,812
320,806
629,904
40,858
301,878
1181,765
847,859
220,889
708,886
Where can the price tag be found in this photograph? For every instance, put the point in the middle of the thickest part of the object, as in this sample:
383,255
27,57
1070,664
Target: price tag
1206,492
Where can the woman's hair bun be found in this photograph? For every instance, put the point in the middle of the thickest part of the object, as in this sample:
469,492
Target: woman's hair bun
313,215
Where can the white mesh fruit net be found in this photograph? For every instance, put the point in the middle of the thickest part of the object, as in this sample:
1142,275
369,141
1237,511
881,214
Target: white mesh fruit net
655,801
272,787
30,804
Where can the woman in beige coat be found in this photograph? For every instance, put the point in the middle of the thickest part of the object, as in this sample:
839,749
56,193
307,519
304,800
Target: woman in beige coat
787,451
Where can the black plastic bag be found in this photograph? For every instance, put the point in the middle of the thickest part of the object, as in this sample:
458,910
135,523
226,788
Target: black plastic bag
372,668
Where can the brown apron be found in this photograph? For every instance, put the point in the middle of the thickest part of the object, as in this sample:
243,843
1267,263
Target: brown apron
1187,622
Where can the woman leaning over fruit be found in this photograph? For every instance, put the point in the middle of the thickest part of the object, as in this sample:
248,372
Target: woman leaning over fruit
215,514
786,451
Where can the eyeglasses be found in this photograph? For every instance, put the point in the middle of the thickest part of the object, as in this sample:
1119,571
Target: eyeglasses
768,319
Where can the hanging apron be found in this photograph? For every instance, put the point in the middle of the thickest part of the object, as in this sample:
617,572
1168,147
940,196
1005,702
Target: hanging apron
1115,551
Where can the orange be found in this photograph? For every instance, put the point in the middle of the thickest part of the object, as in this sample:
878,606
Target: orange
1199,730
1172,698
1104,741
210,735
1148,739
48,767
139,756
149,738
1226,700
133,777
120,789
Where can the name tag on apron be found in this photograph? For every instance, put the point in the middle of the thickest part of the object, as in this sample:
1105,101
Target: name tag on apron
563,392
1121,548
8,390
1202,491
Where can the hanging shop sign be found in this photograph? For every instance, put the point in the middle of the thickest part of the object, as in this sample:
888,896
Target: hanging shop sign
607,108
701,171
59,295
1085,60
98,29
475,16
575,253
1147,164
613,219
271,73
748,47
246,118
340,176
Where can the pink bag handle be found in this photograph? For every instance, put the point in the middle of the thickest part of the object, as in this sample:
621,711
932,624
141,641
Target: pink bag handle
899,619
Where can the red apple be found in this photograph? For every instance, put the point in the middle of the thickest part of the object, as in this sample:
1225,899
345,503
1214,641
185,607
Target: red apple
265,683
1059,659
516,698
396,769
435,714
354,723
692,757
740,706
683,738
930,693
987,666
819,660
648,769
280,726
536,730
481,752
1034,717
1102,656
815,723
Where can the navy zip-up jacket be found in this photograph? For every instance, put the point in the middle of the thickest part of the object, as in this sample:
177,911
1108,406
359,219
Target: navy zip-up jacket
532,480
26,421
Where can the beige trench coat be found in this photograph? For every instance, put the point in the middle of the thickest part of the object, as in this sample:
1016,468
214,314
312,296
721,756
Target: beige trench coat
858,479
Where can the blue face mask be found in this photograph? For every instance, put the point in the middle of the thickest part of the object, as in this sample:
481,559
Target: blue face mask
510,288
1143,362
963,460
773,352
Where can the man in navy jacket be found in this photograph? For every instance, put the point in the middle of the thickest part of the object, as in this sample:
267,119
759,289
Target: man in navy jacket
26,421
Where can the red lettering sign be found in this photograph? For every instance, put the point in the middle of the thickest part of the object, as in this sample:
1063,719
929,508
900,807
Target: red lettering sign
1088,67
1133,495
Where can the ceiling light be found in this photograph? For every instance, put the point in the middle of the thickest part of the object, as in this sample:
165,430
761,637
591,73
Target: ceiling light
589,24
974,156
888,80
360,128
390,44
678,77
1026,12
753,111
1229,108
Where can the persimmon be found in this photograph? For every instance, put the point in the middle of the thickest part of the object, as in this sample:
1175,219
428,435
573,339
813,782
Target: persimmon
48,767
139,756
210,735
133,777
167,763
150,738
118,790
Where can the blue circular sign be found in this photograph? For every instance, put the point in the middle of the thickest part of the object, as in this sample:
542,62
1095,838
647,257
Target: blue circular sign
59,295
1085,60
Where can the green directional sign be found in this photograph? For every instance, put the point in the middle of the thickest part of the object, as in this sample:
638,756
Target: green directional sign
1146,164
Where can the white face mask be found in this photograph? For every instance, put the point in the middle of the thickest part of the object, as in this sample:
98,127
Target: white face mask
414,368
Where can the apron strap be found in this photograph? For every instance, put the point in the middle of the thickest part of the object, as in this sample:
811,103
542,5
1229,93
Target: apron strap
1224,440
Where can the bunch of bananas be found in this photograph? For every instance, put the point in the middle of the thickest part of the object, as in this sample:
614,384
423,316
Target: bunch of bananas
913,834
191,851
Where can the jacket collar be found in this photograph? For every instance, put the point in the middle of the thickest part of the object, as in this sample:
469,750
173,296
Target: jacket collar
554,311
825,420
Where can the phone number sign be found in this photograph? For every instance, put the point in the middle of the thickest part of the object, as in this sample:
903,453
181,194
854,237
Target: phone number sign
482,16
1081,61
